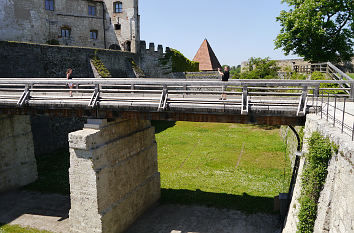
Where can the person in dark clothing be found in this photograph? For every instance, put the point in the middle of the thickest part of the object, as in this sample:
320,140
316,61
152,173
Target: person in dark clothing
225,77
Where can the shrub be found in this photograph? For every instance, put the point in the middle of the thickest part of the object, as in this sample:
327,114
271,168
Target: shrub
313,179
179,62
260,68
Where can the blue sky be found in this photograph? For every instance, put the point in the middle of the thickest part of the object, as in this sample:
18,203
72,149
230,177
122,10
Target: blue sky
236,29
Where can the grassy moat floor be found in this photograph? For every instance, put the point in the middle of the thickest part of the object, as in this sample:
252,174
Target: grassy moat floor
219,165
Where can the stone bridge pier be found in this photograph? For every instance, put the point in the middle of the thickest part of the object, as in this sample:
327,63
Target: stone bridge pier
17,161
113,174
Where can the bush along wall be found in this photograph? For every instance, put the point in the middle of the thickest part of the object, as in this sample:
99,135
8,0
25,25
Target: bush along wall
313,179
179,62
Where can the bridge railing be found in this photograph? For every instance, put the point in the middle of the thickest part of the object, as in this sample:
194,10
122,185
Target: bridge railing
165,92
335,110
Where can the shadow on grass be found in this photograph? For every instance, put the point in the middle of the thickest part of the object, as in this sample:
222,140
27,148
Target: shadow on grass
161,126
268,127
53,173
245,203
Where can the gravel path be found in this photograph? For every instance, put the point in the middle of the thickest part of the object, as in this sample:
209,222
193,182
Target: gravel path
50,212
197,219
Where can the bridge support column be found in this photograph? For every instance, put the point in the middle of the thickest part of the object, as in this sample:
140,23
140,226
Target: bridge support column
113,174
17,161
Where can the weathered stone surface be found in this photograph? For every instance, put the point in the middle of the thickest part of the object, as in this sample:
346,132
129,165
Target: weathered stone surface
17,161
113,175
336,204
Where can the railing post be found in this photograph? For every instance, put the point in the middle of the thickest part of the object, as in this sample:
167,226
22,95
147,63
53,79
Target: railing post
322,106
316,91
351,96
343,116
335,108
327,105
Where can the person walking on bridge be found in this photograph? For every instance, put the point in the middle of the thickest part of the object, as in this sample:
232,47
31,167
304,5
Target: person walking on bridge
225,75
70,84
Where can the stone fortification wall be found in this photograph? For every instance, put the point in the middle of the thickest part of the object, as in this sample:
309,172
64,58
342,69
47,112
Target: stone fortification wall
51,133
17,161
335,208
290,139
35,60
150,61
113,174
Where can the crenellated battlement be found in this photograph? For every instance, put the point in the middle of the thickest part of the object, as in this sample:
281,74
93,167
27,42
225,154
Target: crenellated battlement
151,49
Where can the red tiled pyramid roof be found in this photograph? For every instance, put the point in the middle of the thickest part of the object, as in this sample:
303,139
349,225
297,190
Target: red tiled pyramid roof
206,57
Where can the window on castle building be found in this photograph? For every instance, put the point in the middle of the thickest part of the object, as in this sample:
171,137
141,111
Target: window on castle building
117,26
65,32
92,10
93,34
118,7
49,5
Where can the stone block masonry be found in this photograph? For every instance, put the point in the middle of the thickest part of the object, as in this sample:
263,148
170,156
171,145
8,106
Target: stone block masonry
17,161
113,174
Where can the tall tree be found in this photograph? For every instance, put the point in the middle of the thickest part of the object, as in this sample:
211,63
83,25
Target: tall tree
318,30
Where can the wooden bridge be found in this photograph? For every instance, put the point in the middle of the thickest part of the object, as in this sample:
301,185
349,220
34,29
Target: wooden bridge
272,102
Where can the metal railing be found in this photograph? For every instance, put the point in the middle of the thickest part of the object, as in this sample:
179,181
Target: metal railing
162,94
333,108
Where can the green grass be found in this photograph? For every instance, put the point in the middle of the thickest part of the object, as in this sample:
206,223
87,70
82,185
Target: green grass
19,229
198,164
351,75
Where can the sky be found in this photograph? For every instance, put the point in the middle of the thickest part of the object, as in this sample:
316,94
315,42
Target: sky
235,29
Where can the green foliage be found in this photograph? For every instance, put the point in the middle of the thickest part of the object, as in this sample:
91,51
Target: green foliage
297,76
260,68
53,42
313,179
318,30
318,76
321,76
179,62
100,67
235,71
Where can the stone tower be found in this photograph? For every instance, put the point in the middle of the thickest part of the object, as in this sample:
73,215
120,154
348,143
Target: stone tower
125,19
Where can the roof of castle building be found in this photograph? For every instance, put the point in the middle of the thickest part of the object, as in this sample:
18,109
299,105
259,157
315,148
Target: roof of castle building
206,57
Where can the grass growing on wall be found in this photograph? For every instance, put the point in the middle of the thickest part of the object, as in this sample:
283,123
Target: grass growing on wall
313,179
179,62
100,67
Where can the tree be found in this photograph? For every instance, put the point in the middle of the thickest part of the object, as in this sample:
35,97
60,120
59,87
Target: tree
260,68
318,30
234,70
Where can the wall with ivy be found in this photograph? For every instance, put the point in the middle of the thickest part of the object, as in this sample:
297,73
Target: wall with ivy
323,199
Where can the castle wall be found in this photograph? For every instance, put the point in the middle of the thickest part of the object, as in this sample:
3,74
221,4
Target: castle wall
29,21
34,60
